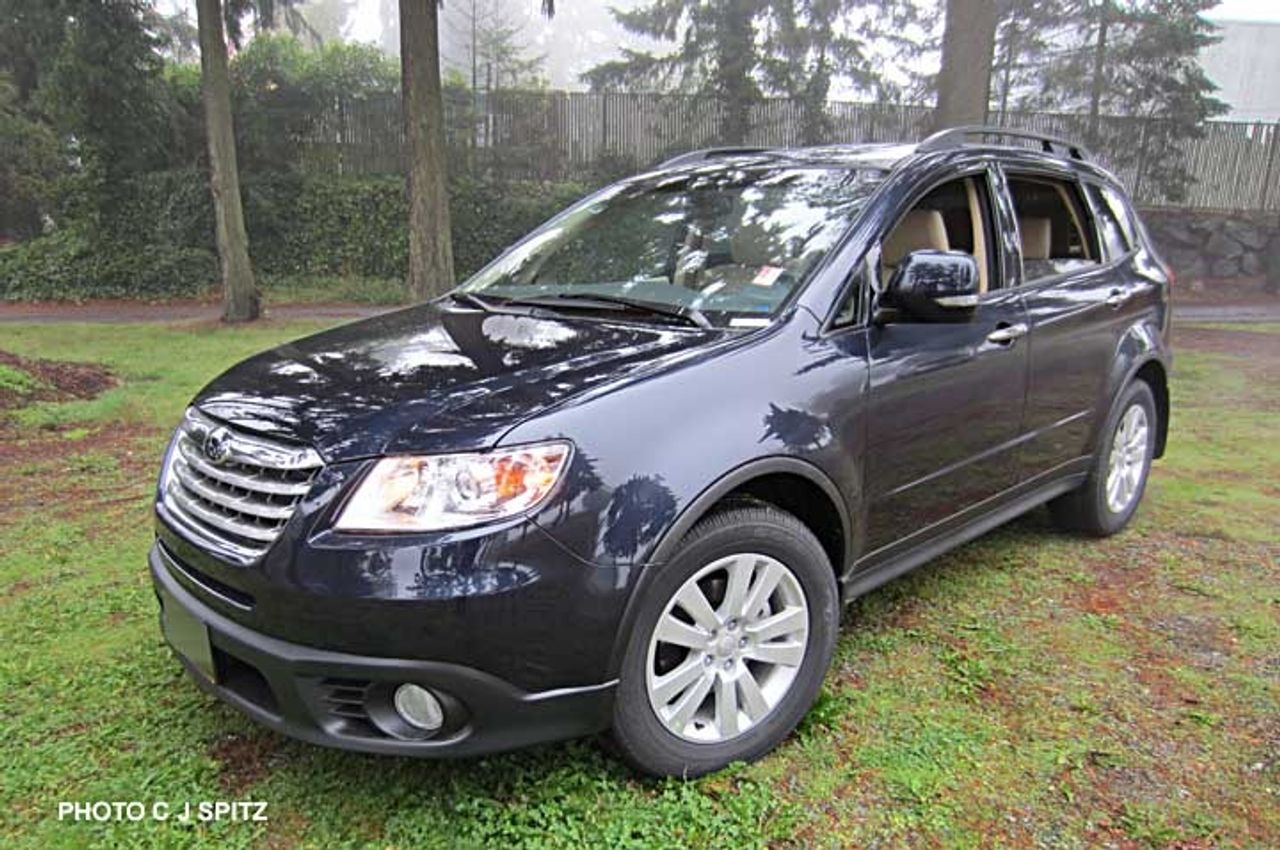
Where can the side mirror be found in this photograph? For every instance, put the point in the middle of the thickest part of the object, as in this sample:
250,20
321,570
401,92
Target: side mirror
934,286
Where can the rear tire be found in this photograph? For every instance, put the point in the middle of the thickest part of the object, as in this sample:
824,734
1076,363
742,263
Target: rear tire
704,685
1108,498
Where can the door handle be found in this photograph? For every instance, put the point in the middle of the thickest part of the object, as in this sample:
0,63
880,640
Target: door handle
1117,299
1007,335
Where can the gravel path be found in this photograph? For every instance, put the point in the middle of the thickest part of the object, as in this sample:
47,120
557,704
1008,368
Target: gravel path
120,312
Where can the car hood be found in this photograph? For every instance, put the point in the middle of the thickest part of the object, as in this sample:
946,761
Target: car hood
431,378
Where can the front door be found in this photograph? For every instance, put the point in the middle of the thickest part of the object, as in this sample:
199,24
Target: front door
946,398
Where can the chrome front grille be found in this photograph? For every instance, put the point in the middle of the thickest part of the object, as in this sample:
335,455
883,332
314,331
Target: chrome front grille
234,491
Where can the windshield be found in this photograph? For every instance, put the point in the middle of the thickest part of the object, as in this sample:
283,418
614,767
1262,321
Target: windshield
730,243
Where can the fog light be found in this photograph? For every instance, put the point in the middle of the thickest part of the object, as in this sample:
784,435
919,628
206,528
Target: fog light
418,707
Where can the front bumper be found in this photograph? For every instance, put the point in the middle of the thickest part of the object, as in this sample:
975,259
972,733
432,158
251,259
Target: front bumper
343,700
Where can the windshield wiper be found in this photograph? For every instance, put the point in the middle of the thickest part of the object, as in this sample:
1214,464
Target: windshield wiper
687,315
472,301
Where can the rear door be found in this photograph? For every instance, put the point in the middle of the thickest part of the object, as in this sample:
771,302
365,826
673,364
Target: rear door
946,398
1079,299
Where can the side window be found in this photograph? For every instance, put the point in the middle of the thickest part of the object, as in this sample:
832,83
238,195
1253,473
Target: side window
850,310
1053,227
954,216
1112,236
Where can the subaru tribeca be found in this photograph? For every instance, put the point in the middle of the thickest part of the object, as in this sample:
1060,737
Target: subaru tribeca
625,476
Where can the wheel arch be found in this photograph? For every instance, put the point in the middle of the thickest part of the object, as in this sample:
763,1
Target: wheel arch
790,484
1141,354
1152,373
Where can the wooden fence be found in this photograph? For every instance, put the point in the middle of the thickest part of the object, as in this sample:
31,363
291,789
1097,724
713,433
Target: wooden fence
557,135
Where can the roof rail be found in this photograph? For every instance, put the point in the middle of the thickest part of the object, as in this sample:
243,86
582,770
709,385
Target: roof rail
955,136
709,153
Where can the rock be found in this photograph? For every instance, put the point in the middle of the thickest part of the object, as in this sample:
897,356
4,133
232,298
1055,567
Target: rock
1229,267
1176,233
1271,259
1222,246
1246,233
1272,254
1251,264
1187,264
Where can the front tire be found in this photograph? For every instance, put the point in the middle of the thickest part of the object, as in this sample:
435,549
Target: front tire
1108,498
729,647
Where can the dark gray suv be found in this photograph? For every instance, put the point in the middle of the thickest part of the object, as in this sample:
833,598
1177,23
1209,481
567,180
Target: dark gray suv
624,478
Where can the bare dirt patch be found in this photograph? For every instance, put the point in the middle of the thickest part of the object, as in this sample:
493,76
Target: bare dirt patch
1121,572
52,380
286,832
16,589
70,469
104,472
243,760
1199,639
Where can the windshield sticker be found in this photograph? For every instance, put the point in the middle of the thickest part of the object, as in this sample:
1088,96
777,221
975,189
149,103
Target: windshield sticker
767,276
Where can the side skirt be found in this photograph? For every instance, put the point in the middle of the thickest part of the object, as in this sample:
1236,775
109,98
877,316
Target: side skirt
868,580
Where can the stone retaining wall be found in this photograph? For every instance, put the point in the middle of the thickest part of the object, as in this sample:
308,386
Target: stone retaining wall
1204,245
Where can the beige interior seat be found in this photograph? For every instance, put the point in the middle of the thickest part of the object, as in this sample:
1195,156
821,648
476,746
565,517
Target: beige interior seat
919,230
690,259
979,235
1037,237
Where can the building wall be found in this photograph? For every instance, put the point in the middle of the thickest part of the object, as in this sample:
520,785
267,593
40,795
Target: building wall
1246,66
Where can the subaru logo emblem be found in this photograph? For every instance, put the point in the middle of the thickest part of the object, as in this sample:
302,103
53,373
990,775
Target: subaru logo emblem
217,445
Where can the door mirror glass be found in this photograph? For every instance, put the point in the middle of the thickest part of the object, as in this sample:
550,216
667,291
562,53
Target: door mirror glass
934,286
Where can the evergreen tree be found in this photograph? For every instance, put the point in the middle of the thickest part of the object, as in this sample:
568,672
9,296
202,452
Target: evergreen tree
83,79
1097,59
738,51
810,44
1026,35
327,19
389,32
480,39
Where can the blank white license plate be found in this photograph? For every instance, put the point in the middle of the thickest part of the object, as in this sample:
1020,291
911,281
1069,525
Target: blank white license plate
187,634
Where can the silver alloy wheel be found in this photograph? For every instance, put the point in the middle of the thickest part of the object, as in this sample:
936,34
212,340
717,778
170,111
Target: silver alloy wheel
1128,460
717,668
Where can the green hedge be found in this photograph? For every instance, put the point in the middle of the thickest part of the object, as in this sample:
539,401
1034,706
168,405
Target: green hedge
69,266
356,226
160,242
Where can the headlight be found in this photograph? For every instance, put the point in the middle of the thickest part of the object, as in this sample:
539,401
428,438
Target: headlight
433,492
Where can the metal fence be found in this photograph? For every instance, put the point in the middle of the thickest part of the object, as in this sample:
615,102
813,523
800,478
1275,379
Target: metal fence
557,135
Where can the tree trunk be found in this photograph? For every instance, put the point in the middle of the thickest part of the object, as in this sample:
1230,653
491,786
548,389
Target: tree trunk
964,82
733,81
1099,74
430,248
240,298
1010,56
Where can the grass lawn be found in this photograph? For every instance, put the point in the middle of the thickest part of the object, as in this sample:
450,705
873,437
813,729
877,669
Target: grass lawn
1029,690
